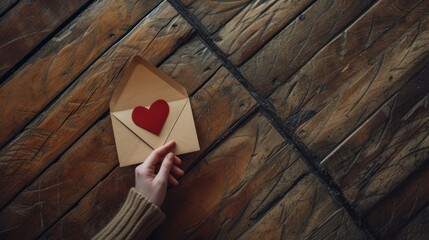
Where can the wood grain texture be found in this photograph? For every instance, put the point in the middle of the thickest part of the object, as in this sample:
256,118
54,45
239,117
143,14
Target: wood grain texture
305,212
28,24
93,212
349,80
217,107
299,41
240,180
354,75
65,182
252,27
63,59
387,148
214,13
5,5
86,100
417,229
388,217
192,65
102,202
48,197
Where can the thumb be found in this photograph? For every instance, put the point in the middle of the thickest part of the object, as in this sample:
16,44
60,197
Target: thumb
164,170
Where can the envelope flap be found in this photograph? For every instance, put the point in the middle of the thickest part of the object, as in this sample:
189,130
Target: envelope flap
131,149
142,84
176,108
184,132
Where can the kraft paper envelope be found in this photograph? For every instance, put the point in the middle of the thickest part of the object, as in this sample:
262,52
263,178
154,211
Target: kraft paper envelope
141,85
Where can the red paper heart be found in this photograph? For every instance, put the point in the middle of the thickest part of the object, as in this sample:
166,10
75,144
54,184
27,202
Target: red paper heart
151,119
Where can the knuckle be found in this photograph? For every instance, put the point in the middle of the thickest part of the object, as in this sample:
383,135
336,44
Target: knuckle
139,171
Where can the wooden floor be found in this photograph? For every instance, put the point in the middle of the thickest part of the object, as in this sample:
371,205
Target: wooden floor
312,116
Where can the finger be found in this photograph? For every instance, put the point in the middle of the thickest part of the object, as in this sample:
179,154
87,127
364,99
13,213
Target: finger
163,150
157,167
176,171
172,180
177,160
165,168
158,153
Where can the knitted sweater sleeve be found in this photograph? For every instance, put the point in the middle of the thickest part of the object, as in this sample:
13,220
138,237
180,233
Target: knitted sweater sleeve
137,215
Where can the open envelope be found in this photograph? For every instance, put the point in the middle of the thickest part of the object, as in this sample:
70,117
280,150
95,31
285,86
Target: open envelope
142,84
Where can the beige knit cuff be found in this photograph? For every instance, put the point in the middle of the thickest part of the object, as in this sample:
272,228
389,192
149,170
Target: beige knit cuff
137,215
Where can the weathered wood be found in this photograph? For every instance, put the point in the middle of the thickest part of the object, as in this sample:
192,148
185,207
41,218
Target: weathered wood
358,104
387,148
28,24
93,212
213,115
339,225
406,201
252,27
275,63
86,100
5,5
232,186
72,168
49,196
334,93
213,13
63,59
85,220
305,212
191,65
417,229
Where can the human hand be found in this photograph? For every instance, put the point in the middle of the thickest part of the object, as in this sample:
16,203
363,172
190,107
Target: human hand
159,169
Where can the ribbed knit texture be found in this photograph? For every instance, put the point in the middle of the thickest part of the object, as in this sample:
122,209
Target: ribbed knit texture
137,215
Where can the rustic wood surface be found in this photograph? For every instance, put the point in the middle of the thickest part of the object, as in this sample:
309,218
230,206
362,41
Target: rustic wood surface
123,177
405,202
417,229
212,14
335,91
28,24
5,5
306,212
254,26
312,116
270,67
390,146
63,59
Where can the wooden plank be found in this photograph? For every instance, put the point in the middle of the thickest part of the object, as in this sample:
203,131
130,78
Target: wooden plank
406,201
63,59
392,144
86,100
252,27
338,226
417,229
28,24
53,193
85,219
65,182
233,185
5,5
212,116
213,13
275,63
339,91
191,65
94,211
305,212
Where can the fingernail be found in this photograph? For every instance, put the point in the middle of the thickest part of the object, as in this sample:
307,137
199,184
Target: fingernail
170,155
